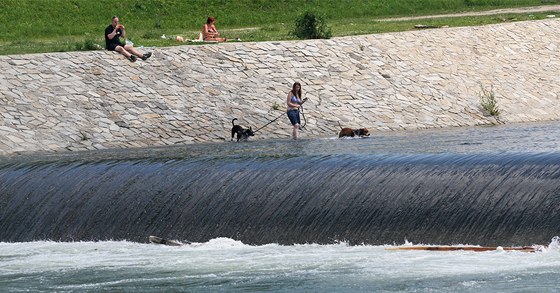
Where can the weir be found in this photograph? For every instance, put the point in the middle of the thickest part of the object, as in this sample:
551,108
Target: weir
445,198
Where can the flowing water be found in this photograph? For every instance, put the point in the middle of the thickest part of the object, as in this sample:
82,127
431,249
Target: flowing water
314,215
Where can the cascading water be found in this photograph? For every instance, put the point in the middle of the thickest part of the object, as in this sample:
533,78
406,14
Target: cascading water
486,199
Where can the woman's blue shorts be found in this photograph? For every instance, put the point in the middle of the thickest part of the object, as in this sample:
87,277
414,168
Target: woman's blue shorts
294,117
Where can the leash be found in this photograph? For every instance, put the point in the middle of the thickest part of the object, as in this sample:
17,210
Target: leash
270,122
301,111
303,116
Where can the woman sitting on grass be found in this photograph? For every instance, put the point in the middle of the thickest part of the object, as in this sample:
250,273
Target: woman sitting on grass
210,33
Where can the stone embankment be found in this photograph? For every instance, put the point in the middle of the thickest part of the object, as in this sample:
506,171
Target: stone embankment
187,94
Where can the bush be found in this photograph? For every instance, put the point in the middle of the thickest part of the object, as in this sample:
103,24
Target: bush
311,26
88,45
488,102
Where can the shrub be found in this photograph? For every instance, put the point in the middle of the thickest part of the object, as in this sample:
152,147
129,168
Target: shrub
488,102
311,26
88,45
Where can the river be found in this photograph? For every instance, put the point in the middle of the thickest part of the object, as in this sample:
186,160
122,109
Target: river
314,215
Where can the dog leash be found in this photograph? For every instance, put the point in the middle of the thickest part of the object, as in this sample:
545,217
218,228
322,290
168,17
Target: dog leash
270,122
304,120
303,115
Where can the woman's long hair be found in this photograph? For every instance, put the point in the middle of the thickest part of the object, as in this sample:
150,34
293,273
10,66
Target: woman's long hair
298,93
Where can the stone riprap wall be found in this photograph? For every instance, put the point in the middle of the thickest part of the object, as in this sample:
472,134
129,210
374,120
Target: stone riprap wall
187,94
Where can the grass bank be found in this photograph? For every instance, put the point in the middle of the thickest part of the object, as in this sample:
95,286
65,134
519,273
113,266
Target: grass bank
36,26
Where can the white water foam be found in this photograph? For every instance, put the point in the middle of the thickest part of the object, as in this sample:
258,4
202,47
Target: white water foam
226,264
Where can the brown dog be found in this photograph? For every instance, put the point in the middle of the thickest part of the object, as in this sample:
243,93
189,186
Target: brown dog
344,131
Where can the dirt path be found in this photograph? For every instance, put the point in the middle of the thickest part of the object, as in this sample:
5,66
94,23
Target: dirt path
551,8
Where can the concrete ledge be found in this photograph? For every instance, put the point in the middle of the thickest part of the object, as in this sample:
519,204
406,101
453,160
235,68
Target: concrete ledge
188,94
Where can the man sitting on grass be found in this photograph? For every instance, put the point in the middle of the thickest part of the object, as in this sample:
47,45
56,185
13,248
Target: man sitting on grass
112,34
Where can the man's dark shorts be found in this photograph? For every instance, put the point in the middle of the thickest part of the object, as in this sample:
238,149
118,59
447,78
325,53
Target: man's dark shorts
113,46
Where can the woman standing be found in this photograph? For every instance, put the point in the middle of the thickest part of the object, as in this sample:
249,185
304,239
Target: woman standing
294,102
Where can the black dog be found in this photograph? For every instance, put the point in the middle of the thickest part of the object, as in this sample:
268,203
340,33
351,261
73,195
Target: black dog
241,132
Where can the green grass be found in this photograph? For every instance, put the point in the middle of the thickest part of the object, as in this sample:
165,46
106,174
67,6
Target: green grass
35,26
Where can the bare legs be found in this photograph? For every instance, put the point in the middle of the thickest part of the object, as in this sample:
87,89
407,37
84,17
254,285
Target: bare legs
295,131
129,50
133,50
123,51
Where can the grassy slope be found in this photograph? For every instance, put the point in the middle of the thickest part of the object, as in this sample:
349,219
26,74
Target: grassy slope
31,26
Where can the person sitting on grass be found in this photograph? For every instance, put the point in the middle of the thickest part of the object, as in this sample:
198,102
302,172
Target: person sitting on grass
112,42
210,33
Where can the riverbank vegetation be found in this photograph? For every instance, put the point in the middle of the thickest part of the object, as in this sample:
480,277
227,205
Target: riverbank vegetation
36,26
